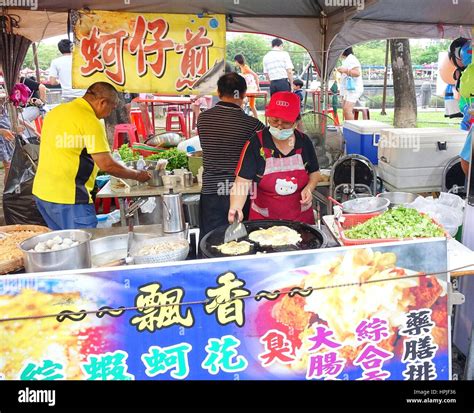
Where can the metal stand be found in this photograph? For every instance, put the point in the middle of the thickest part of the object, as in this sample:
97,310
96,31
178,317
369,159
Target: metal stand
469,369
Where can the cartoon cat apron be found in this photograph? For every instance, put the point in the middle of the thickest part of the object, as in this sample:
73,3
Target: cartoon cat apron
279,191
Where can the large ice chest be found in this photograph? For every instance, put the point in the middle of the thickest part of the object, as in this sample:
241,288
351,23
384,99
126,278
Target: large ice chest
413,159
362,136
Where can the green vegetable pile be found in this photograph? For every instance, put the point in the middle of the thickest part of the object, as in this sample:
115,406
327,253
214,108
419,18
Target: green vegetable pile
396,223
176,159
127,154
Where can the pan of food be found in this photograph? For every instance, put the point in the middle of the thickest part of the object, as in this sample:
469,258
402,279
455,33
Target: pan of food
263,237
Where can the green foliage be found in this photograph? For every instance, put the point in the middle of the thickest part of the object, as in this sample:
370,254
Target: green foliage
375,102
176,159
127,154
373,53
254,46
46,53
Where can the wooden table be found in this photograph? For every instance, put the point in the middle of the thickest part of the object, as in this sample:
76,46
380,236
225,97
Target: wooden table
260,94
159,100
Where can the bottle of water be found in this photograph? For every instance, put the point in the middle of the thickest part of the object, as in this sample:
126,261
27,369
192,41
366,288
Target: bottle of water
141,164
116,156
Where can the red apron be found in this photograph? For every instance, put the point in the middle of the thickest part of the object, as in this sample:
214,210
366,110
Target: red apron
279,191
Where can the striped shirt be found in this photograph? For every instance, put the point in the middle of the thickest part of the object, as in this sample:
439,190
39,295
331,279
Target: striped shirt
275,63
223,131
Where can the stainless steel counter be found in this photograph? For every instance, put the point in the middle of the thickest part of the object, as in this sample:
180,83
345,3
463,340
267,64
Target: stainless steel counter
139,229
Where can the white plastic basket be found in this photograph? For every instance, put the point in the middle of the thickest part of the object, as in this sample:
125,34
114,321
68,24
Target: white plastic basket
174,253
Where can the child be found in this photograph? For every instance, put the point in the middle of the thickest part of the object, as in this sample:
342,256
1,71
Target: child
298,90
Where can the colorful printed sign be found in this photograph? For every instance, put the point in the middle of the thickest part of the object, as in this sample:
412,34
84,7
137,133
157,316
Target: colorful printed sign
145,52
364,313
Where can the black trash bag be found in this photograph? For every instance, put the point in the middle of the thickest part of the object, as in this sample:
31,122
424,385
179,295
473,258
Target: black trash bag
19,205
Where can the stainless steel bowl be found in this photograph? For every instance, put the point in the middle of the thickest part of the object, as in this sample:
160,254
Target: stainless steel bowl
67,259
366,205
399,198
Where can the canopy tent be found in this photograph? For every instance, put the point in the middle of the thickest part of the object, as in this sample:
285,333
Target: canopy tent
321,26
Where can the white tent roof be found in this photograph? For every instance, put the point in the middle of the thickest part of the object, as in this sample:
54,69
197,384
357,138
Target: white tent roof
325,31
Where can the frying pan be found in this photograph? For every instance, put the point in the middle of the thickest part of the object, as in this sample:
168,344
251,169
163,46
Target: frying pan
312,238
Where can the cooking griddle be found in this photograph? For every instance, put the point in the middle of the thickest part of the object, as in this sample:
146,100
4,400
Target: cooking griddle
312,238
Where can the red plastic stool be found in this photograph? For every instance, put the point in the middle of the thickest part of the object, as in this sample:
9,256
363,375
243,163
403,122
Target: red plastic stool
39,124
125,133
105,203
365,113
136,117
175,122
330,112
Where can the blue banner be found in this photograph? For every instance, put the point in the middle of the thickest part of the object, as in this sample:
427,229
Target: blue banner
359,313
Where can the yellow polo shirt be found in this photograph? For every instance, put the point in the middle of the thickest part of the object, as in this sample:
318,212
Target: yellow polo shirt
66,172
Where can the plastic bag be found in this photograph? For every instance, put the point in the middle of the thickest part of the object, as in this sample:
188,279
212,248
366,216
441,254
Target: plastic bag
19,204
350,84
447,210
149,206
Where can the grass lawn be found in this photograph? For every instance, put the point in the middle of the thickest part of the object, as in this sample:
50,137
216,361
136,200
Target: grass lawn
425,119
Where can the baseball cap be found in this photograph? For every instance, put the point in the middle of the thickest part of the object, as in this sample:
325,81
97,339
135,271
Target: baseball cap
284,105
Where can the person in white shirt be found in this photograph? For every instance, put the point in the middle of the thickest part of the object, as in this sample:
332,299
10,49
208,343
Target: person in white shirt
60,72
278,68
351,90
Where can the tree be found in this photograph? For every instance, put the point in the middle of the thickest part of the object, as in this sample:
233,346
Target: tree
252,46
46,53
403,84
255,46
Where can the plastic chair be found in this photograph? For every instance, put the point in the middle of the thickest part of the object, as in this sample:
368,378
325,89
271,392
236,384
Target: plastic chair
137,119
125,133
39,124
365,113
175,122
330,112
105,203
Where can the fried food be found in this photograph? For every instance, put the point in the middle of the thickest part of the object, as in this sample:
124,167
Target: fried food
234,248
275,236
162,247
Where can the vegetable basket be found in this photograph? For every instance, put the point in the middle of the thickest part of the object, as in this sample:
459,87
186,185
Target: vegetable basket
351,220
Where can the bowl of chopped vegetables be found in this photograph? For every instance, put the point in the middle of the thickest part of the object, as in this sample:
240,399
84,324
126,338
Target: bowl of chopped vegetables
393,225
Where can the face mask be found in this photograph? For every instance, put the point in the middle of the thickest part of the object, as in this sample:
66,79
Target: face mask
281,134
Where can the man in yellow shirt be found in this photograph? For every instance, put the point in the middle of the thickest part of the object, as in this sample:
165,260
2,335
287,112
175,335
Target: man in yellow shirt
73,148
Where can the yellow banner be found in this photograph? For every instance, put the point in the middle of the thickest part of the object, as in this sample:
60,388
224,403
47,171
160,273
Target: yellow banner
147,52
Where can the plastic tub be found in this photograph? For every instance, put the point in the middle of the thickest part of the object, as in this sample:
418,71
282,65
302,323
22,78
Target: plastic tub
351,220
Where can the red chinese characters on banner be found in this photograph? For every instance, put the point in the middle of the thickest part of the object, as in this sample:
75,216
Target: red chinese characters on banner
159,46
194,62
102,51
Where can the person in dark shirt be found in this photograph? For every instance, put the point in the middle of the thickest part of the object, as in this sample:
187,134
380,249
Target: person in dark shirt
282,162
223,131
298,90
36,101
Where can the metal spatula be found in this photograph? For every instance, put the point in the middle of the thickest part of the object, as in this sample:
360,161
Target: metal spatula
235,231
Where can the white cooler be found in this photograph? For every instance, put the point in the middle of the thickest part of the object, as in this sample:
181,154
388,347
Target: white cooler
413,159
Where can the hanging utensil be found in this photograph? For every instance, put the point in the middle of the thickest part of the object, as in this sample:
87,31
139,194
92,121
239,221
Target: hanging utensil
334,201
235,231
